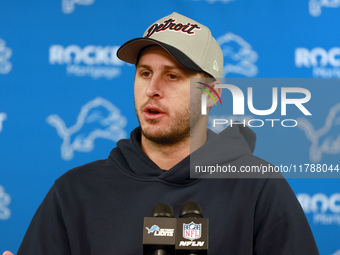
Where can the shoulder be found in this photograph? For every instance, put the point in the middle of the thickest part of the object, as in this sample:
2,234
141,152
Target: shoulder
87,176
83,171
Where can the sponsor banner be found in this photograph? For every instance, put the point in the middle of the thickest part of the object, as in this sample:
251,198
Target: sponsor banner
323,63
324,209
94,61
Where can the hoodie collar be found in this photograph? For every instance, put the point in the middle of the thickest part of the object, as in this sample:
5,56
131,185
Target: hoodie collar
227,146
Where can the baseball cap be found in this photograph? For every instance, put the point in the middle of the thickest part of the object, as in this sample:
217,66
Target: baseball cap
188,41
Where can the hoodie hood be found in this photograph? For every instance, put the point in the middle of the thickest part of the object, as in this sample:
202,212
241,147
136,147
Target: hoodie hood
231,144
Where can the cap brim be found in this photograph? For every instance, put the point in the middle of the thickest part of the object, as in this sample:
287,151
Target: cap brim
129,52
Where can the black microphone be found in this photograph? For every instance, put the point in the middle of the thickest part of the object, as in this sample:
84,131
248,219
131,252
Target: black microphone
159,231
192,230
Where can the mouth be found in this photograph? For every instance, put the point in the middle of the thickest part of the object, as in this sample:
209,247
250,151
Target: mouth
153,112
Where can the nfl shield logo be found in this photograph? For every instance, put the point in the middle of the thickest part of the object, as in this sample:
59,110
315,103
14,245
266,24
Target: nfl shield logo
192,231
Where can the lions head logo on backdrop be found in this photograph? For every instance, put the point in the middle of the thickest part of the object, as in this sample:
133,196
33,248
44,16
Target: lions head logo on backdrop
5,200
3,117
5,54
239,57
98,118
325,140
316,5
215,1
69,5
336,253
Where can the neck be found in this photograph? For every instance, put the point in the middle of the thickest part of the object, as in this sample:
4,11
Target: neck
166,156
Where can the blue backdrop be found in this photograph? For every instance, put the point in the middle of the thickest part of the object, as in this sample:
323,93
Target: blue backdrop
60,79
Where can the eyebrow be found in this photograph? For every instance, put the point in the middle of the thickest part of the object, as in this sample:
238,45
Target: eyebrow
166,67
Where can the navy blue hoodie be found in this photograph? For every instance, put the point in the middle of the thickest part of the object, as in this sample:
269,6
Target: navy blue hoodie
98,208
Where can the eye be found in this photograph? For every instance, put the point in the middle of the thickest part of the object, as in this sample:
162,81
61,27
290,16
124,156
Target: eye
145,74
173,76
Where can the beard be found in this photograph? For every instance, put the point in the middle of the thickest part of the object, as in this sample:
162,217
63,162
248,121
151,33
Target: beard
177,131
182,122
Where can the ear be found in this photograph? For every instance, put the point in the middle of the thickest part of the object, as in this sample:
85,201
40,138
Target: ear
215,94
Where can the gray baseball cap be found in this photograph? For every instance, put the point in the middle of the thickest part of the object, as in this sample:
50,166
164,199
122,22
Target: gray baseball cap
188,41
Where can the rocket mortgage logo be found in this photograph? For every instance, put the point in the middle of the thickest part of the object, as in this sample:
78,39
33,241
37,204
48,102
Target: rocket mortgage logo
275,107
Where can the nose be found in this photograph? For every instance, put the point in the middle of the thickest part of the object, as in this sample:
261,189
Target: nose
155,88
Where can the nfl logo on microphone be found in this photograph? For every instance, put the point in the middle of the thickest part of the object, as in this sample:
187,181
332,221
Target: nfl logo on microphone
192,231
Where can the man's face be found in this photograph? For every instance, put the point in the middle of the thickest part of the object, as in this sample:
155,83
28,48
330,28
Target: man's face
162,97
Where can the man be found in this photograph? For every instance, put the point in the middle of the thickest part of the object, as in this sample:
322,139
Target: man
99,208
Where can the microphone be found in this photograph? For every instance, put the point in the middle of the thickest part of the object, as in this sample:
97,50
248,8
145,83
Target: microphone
159,231
192,230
